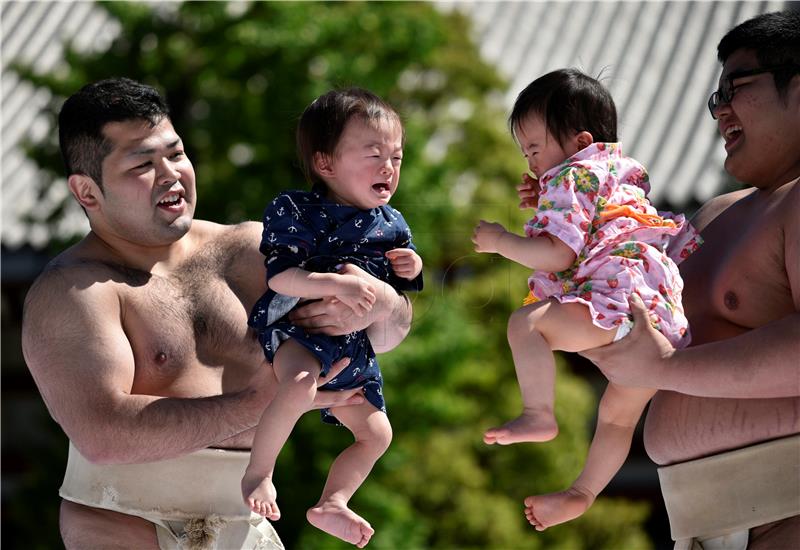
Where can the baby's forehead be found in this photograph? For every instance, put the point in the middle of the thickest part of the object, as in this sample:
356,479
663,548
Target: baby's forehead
384,128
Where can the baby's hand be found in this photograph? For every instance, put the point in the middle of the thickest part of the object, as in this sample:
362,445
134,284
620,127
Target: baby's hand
528,192
356,293
486,236
405,262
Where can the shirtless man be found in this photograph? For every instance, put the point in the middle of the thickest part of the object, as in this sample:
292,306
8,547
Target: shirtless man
738,386
137,338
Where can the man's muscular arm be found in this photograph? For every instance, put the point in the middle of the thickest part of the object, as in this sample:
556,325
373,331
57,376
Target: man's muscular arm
761,363
387,324
80,357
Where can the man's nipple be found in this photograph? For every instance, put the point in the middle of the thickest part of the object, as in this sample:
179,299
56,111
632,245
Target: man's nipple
161,358
731,300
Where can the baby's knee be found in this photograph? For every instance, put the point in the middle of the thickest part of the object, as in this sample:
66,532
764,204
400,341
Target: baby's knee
521,324
383,437
379,435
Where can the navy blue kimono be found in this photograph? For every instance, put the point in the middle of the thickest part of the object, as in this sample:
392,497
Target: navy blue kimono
304,229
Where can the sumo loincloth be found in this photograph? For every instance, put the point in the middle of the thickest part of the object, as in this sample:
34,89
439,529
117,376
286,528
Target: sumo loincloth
194,501
712,502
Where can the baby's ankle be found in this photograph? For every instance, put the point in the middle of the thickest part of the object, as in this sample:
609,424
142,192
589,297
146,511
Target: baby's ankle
583,494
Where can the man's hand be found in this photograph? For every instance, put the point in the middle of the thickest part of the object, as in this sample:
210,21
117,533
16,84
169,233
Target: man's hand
262,388
325,399
405,262
528,192
487,235
640,358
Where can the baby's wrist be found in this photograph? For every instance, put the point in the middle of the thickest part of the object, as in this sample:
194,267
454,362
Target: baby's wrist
498,243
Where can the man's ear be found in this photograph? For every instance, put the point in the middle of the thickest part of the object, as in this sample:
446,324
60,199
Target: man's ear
323,164
793,93
85,191
583,139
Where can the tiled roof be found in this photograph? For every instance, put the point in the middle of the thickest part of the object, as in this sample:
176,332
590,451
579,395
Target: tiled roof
34,33
658,59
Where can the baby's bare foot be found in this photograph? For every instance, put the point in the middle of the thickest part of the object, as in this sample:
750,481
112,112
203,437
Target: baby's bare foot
529,426
260,496
341,522
544,511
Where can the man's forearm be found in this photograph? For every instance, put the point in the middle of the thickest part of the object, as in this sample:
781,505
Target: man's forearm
387,332
147,428
760,363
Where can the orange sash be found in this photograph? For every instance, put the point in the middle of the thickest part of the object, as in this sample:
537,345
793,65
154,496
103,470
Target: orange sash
612,211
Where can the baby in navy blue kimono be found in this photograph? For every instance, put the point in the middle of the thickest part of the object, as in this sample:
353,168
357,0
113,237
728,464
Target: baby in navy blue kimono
350,144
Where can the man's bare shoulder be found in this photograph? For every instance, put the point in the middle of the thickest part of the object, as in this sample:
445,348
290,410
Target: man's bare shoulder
77,275
233,250
788,200
206,232
217,229
716,206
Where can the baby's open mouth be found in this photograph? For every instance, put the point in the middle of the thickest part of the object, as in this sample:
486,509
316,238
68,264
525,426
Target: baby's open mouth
381,187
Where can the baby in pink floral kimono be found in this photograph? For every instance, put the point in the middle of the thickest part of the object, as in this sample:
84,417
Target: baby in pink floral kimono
594,242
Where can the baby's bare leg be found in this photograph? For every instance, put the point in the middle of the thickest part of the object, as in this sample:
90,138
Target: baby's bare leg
297,371
373,433
533,332
619,411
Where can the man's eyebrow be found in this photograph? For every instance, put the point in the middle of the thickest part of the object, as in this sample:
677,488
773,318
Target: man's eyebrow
151,150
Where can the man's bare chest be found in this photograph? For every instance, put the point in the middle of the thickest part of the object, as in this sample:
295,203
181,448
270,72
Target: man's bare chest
184,330
738,275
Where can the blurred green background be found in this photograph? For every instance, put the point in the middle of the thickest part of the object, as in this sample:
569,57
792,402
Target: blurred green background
237,76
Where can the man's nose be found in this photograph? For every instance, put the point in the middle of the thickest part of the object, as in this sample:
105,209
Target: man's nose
167,171
723,109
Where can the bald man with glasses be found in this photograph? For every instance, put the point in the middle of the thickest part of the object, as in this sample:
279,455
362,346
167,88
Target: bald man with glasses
724,426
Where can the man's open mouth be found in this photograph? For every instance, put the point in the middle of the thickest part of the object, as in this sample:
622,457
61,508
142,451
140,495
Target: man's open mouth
171,199
732,133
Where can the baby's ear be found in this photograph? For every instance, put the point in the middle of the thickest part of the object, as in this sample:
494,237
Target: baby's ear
323,164
584,139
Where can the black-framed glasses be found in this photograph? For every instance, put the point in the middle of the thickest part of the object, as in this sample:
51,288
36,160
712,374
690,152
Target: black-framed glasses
727,90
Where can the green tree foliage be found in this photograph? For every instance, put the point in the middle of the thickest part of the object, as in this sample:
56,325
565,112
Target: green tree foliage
237,76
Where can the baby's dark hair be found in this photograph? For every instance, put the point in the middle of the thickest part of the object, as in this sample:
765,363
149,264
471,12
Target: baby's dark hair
775,39
323,122
85,113
568,102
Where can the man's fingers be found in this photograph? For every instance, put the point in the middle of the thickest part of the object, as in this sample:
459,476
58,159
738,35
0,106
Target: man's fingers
311,309
328,399
336,369
638,310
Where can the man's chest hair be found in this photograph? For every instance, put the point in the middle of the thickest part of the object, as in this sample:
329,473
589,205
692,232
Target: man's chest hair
195,299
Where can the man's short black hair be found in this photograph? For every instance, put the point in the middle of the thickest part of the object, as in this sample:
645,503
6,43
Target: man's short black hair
775,39
85,113
569,102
